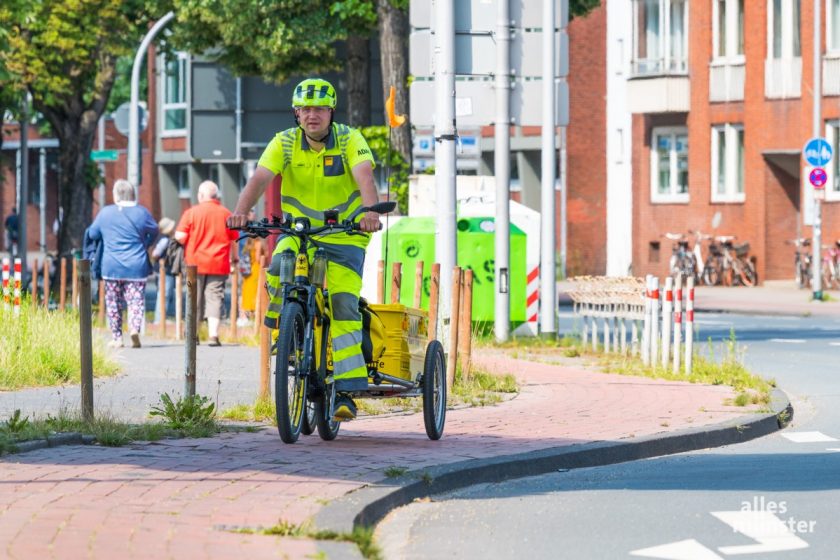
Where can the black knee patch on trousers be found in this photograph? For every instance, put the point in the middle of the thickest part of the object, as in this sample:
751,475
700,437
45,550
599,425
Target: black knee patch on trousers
345,307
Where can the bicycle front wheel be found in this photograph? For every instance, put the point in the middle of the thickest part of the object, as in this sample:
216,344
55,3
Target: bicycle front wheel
290,381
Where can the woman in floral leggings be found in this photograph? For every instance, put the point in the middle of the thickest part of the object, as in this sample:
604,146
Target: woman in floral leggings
127,230
121,295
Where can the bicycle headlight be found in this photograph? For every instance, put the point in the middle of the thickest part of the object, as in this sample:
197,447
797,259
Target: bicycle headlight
299,226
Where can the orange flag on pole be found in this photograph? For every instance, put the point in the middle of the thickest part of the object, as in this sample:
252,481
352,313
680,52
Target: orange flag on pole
393,119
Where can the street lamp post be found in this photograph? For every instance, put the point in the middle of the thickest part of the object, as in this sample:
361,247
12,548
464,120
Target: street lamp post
133,114
816,242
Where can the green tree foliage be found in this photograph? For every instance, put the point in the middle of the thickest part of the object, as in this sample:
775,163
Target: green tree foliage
269,38
64,53
582,7
391,162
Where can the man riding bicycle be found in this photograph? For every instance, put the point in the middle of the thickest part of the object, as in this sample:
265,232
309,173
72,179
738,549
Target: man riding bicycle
323,165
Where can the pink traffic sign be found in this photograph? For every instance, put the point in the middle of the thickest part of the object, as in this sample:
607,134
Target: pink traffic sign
818,177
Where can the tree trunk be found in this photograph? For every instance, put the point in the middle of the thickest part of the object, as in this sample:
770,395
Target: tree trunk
74,192
393,41
74,119
358,81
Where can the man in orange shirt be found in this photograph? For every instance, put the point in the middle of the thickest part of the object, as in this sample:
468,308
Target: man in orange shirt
211,247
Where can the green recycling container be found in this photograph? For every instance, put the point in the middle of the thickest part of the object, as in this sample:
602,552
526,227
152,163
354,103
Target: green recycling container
413,239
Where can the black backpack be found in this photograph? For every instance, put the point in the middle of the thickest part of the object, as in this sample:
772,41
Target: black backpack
174,260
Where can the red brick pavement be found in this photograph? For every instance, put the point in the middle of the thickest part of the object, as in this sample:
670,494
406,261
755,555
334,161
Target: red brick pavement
185,498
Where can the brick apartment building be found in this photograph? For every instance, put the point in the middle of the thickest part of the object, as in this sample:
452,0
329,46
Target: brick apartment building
707,106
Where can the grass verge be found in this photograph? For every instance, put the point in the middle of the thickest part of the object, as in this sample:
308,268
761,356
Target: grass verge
41,348
187,417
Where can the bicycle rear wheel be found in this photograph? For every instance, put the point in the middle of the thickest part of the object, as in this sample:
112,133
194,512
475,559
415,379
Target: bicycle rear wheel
290,381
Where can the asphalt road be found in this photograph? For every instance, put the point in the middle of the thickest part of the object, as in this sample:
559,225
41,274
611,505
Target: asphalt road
775,497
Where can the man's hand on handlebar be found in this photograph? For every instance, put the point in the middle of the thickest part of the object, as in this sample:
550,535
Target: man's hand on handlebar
237,220
370,222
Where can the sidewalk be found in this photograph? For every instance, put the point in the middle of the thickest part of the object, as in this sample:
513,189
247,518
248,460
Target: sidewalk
195,497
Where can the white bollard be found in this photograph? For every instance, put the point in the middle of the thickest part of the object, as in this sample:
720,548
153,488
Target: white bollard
594,330
654,324
666,320
17,286
607,312
623,328
689,327
678,321
646,329
7,298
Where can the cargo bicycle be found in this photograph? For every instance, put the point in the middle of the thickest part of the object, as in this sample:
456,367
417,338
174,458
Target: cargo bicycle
401,359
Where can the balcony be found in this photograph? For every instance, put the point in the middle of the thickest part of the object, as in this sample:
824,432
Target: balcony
831,74
783,78
669,93
726,81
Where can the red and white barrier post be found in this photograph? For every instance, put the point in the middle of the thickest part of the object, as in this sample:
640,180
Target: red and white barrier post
17,286
647,329
654,325
667,308
678,321
689,327
7,301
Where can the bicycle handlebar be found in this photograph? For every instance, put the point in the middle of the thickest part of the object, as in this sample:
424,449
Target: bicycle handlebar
265,228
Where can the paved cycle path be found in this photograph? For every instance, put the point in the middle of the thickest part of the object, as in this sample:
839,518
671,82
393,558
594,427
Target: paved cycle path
197,498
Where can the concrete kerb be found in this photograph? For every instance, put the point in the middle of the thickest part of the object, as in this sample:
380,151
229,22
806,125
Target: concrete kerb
69,438
368,506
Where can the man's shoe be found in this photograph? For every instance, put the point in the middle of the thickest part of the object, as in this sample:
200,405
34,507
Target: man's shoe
345,409
214,341
135,340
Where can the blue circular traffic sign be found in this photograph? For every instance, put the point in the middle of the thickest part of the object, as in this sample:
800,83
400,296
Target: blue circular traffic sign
817,152
818,177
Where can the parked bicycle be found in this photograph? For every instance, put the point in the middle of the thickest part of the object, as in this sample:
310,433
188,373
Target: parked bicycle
737,267
304,389
829,267
682,260
705,268
802,261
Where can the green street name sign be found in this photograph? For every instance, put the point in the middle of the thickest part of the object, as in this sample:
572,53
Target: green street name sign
104,155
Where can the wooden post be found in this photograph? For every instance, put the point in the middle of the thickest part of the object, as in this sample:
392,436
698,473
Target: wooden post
62,295
192,331
102,302
465,336
47,284
265,338
74,287
396,282
380,282
454,314
33,285
418,284
234,302
161,299
434,295
179,287
85,339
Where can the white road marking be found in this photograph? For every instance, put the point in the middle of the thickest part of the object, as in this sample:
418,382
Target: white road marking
789,340
807,437
688,549
834,343
769,531
833,449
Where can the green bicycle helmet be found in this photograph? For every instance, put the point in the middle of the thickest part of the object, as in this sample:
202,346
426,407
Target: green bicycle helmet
314,92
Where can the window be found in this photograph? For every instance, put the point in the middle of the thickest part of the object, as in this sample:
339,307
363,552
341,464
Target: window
660,38
669,165
832,188
728,29
783,24
184,181
832,25
728,163
175,95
